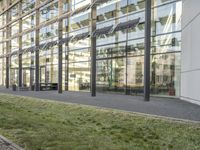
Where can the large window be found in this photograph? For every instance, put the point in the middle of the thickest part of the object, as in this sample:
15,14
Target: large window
79,76
49,32
28,22
14,44
2,19
165,74
49,65
77,54
27,5
14,69
111,75
28,40
14,12
48,55
2,68
15,28
119,53
49,11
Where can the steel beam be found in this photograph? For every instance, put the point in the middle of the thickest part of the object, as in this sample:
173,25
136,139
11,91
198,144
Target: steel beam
8,34
60,49
20,48
7,72
147,52
93,51
37,42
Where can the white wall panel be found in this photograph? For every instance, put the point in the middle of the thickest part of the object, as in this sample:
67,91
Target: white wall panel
190,57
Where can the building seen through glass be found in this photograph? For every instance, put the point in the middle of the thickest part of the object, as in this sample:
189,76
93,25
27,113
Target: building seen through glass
43,27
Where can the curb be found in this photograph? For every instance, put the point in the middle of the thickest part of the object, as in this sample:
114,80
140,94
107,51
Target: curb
10,144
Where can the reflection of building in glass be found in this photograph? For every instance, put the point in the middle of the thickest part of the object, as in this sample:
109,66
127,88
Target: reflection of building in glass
32,33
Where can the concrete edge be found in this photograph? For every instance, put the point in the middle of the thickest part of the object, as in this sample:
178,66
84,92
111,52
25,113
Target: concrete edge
178,120
13,145
187,99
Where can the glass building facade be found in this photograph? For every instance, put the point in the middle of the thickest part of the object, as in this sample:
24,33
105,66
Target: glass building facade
36,34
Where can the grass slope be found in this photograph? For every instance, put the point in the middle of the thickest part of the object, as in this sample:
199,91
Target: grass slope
40,124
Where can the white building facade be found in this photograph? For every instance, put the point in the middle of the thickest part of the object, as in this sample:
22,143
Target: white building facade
190,57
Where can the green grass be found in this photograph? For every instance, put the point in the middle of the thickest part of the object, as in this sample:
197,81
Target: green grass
40,124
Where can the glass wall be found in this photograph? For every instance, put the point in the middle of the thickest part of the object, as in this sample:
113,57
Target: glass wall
49,11
48,55
2,19
27,5
1,71
78,49
28,63
15,28
14,69
2,60
14,12
120,65
26,67
28,22
166,47
120,53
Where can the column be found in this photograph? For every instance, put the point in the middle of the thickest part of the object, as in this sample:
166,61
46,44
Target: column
20,48
37,42
93,50
147,62
60,49
8,33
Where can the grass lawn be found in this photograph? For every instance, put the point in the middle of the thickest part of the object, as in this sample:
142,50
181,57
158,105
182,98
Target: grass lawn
40,124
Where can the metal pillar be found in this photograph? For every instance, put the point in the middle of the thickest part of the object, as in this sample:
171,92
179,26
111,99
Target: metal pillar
20,48
37,83
67,61
60,59
8,33
93,51
67,54
20,71
60,49
7,72
127,90
147,52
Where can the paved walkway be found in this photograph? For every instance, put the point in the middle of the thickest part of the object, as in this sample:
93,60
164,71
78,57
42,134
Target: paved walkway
167,107
5,144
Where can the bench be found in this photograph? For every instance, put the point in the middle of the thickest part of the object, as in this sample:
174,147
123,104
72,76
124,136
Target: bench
48,86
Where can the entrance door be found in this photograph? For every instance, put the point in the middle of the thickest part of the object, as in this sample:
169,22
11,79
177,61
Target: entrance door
43,78
14,76
26,76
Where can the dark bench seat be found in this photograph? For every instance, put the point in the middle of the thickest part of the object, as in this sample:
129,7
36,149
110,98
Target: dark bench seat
48,86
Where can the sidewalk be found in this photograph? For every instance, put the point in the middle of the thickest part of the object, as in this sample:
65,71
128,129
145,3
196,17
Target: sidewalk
167,107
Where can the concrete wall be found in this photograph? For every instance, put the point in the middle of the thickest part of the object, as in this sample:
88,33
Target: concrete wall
190,69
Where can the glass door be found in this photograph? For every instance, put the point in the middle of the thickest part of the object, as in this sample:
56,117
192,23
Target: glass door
43,74
26,76
14,76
